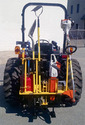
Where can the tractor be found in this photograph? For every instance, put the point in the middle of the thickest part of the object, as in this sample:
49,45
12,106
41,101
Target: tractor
42,75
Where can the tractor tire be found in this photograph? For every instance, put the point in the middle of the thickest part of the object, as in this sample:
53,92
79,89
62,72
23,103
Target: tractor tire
77,74
12,80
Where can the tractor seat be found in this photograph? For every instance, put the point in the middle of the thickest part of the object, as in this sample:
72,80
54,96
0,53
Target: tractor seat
46,50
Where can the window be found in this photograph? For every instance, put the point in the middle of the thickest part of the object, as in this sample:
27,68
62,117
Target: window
77,26
78,7
71,9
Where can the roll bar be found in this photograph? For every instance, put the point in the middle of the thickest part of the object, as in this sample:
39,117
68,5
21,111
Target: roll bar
41,4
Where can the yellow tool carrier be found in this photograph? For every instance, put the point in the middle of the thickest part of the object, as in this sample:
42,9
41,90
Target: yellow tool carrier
49,87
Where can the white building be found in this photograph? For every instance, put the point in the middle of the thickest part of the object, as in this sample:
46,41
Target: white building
76,10
10,22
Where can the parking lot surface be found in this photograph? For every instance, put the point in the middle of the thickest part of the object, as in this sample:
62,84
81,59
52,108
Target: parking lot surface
64,115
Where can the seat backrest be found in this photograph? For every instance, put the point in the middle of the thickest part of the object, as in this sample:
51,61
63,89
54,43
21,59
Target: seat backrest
46,48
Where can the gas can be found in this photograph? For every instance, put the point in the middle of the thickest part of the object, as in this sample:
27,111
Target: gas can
53,84
29,83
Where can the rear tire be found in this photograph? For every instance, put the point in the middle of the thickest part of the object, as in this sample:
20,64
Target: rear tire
12,80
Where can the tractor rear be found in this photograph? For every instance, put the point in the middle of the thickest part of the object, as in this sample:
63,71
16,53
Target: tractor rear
42,75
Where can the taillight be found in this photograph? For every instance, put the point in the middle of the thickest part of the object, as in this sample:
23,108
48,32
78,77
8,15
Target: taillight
64,56
71,49
17,50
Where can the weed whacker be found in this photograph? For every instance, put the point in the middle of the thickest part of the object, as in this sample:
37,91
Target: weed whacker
66,26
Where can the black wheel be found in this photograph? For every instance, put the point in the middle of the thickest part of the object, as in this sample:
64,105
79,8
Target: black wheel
12,80
77,74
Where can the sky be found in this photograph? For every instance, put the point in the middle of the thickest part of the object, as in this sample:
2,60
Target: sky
10,22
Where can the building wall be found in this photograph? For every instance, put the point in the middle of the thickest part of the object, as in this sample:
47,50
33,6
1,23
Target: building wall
76,16
10,22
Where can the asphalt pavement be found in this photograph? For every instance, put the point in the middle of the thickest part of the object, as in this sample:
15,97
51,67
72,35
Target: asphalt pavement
74,115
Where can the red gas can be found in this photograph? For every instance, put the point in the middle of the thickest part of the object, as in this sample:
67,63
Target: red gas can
29,83
53,84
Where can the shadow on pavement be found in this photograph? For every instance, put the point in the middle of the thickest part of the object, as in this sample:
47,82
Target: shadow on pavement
19,111
43,114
